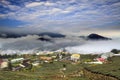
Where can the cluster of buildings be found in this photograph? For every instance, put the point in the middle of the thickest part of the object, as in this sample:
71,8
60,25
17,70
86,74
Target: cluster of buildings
41,57
102,58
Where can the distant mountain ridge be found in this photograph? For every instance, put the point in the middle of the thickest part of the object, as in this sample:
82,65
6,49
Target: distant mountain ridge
14,35
50,35
11,35
53,35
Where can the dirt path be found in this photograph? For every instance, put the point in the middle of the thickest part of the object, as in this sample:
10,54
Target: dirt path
98,76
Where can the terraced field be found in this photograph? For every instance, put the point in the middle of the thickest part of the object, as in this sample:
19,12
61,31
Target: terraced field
111,69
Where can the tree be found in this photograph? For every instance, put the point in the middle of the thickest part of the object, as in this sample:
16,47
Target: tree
114,51
9,65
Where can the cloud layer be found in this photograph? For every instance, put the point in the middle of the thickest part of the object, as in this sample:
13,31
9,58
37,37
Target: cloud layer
95,47
72,44
32,42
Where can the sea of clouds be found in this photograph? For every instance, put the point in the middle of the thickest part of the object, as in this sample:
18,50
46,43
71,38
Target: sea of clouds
96,47
72,44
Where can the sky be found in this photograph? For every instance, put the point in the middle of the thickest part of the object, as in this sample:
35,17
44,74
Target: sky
70,17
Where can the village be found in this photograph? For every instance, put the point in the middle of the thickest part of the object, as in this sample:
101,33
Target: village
62,60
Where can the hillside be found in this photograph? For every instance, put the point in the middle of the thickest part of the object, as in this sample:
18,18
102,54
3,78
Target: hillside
51,71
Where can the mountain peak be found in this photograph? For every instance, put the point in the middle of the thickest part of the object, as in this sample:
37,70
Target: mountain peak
95,36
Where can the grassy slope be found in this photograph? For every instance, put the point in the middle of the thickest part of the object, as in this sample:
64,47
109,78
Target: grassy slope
45,72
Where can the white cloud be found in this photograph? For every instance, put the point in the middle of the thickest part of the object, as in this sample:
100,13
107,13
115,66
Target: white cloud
55,11
2,15
68,9
48,3
92,12
13,7
7,4
116,4
34,4
4,2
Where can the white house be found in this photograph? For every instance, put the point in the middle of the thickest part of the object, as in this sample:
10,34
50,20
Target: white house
3,63
75,57
17,60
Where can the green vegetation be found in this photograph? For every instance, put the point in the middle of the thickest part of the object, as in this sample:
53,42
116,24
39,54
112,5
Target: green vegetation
52,71
111,68
46,71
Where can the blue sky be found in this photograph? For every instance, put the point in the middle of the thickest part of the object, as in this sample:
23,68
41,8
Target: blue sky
64,16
